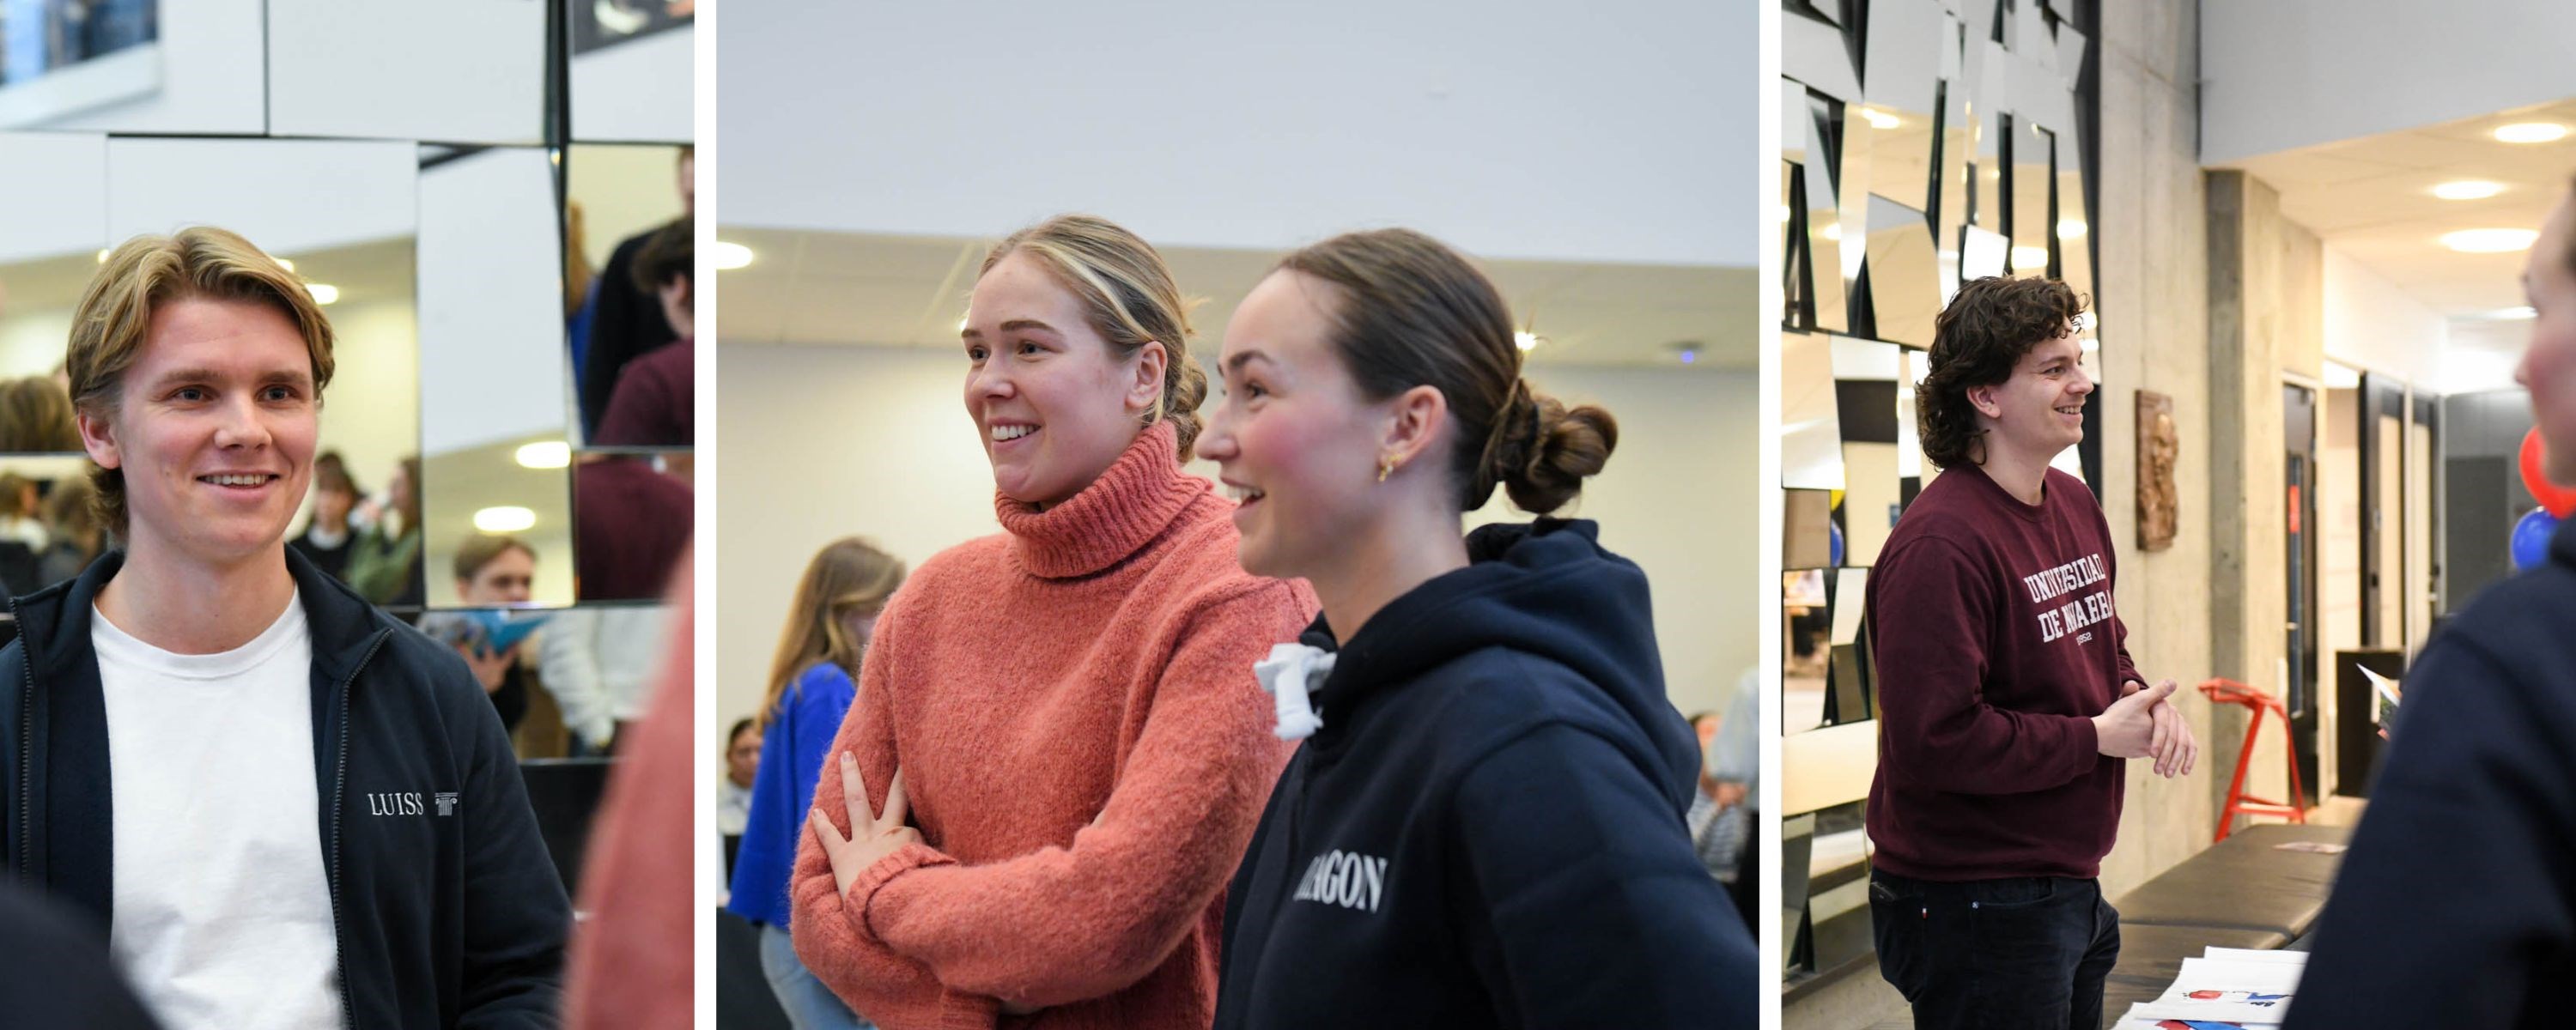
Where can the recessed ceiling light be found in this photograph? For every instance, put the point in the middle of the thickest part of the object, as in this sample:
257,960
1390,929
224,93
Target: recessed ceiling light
2071,228
730,256
504,519
286,264
323,293
102,255
1878,119
1526,340
2029,259
2468,189
545,454
2510,314
2489,241
2531,132
1784,214
1832,232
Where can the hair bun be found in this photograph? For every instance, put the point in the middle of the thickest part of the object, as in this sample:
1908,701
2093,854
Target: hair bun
1547,450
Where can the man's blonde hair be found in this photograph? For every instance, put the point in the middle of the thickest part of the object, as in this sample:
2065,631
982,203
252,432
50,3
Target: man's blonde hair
145,272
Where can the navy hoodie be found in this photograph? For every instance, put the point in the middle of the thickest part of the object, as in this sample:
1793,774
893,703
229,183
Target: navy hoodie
1488,829
448,911
2457,904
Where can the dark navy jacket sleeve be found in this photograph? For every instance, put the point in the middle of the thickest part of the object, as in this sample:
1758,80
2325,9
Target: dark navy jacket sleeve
1589,907
516,915
2455,899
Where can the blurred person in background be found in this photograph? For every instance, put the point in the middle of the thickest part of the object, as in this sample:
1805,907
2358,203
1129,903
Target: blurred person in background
733,792
384,563
23,538
813,678
326,537
71,513
652,404
36,417
627,320
597,662
498,571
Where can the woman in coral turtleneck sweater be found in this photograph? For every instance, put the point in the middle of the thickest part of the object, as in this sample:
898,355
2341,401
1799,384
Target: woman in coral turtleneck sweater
1059,740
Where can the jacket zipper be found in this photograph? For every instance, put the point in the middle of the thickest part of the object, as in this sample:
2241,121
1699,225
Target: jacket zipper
26,748
339,786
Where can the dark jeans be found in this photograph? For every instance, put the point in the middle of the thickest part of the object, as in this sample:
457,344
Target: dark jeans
2024,953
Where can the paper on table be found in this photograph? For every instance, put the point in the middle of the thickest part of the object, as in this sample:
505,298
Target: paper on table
2228,990
2285,958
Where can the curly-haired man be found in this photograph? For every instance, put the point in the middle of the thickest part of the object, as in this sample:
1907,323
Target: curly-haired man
2008,703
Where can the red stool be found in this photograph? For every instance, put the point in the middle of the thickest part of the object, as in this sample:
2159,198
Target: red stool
2256,702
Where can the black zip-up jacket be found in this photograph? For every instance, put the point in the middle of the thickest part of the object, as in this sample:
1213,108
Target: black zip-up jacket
2457,904
1489,828
447,909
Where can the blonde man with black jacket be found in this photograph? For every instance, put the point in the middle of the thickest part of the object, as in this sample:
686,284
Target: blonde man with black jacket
285,808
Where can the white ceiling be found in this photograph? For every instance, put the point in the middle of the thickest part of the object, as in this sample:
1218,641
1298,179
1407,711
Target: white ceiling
2371,199
365,273
842,289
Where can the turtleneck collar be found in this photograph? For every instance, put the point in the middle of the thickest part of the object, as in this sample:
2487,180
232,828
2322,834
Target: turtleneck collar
1109,520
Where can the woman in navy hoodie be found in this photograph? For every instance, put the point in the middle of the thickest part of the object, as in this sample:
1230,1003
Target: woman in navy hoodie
1484,826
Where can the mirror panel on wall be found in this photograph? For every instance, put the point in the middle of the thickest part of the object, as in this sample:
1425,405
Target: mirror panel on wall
492,369
456,73
631,70
1810,426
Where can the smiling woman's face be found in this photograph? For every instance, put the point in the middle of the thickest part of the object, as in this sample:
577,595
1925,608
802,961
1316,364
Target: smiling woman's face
1052,405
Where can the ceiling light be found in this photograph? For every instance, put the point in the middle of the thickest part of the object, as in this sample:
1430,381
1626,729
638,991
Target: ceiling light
504,519
545,454
286,264
102,255
1785,214
2071,228
2489,241
1690,355
323,293
1833,232
2510,314
961,325
730,256
1878,119
2531,132
2029,258
2088,345
1527,341
2468,189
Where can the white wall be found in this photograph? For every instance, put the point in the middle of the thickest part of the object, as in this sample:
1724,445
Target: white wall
1518,129
53,194
491,287
622,191
876,442
464,71
2282,74
31,342
644,90
284,196
2371,324
213,75
371,411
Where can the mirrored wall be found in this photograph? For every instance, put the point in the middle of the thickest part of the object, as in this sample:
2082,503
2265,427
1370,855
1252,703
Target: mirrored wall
438,218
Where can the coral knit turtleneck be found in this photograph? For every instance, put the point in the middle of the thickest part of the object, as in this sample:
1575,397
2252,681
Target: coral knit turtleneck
1086,752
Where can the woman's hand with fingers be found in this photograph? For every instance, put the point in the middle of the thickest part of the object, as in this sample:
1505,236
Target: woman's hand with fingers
872,837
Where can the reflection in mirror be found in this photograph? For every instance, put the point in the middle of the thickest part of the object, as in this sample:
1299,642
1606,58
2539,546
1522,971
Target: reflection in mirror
1849,693
1810,427
631,68
633,519
508,488
2033,182
1824,215
48,531
616,198
1904,273
2074,224
53,219
1809,539
1865,388
1805,648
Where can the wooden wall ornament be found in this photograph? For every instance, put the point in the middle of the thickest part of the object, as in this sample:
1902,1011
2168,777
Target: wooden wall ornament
2159,447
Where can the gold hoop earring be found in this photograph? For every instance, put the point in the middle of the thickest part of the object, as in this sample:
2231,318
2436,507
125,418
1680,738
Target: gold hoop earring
1386,467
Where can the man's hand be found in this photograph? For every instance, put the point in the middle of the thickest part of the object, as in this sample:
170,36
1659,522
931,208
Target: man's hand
2174,750
1728,795
491,668
871,837
2130,729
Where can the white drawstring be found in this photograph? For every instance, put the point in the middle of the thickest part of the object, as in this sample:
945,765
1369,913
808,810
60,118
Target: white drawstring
1289,672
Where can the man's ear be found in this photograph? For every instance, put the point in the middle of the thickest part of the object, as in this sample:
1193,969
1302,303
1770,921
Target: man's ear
98,437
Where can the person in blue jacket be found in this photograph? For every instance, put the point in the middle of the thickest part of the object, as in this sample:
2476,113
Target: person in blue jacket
811,687
1484,825
2456,905
284,807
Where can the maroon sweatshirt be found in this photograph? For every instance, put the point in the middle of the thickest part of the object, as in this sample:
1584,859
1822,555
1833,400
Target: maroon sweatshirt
1995,644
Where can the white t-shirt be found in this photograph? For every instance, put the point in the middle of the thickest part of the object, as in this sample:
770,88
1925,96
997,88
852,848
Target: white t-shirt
222,907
